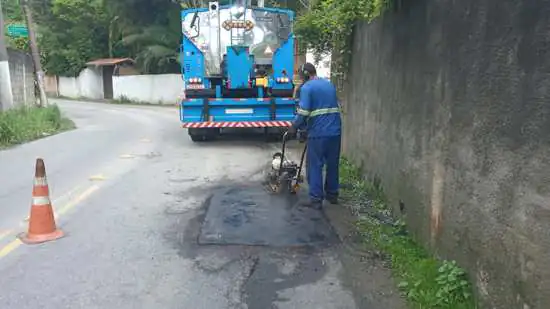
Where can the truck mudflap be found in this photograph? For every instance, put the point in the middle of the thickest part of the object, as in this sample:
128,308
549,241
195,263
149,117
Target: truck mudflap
237,124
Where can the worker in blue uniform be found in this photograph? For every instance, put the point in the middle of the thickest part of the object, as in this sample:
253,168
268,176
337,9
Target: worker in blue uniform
319,113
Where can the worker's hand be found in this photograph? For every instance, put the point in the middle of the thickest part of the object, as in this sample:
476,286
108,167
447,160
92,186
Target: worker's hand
291,130
302,136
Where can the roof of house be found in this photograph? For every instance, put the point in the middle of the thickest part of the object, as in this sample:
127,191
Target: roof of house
109,61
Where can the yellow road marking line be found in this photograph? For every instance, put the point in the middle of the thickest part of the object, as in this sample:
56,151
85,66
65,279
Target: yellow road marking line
77,200
5,233
98,177
126,156
14,244
57,199
55,202
10,247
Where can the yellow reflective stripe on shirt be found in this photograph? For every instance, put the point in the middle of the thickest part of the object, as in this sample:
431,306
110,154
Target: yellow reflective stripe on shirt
323,111
302,112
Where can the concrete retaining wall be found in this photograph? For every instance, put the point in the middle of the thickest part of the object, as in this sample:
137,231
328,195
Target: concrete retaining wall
447,102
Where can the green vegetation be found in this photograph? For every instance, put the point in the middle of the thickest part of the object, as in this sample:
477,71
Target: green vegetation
20,125
328,26
122,100
70,33
73,32
426,282
12,14
12,10
127,101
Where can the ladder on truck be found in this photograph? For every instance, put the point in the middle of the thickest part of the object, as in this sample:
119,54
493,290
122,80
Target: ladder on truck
237,34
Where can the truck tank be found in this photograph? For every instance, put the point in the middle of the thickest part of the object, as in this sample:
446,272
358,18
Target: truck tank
238,68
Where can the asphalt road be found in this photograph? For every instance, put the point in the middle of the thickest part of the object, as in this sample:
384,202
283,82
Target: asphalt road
130,191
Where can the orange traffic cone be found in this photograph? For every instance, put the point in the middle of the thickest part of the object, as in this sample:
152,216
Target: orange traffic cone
42,226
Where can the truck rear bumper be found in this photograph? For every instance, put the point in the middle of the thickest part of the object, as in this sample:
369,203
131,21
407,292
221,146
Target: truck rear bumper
237,113
237,124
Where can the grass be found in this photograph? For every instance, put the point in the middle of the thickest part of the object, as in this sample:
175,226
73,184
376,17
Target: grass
122,100
24,124
125,100
425,281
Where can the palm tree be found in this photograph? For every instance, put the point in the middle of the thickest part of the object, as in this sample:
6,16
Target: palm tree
156,48
154,39
148,31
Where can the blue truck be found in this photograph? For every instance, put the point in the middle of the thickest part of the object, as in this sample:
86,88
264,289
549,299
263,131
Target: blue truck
237,63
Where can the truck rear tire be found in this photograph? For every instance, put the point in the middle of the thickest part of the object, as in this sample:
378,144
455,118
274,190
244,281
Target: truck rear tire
197,138
203,134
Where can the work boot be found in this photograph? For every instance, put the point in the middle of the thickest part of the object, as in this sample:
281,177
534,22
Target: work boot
333,200
311,203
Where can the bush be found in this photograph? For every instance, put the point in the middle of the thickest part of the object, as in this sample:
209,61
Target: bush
425,281
25,124
328,26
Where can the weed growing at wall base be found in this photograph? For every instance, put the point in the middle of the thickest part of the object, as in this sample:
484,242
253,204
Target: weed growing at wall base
25,124
126,100
426,282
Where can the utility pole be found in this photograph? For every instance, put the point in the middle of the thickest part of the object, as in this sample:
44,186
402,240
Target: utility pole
6,94
35,53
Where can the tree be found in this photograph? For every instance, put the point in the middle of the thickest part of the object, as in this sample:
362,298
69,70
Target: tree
12,13
12,10
149,30
71,32
155,40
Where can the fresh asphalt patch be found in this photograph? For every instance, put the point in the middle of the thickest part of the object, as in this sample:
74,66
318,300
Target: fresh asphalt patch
249,215
268,245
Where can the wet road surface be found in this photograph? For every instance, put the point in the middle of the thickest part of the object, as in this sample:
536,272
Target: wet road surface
131,192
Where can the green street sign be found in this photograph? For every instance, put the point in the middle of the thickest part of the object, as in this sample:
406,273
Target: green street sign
17,31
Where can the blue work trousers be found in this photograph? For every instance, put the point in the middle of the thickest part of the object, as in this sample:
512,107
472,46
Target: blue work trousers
323,151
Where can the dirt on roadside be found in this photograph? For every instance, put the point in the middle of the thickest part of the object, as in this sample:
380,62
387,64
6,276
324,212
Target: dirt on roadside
365,272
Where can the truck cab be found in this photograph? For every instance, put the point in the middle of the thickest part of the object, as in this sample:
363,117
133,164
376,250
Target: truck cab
238,68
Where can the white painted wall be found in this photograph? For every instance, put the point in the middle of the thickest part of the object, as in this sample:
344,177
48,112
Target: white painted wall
323,66
154,89
88,84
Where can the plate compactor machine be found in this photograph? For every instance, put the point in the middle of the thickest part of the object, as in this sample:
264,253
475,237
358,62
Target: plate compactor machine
286,175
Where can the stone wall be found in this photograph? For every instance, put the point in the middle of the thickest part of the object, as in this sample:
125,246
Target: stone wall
447,103
22,77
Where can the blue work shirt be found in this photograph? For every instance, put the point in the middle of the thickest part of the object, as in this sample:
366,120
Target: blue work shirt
318,109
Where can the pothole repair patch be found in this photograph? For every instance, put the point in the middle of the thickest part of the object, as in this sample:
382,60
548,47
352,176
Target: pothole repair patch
248,215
